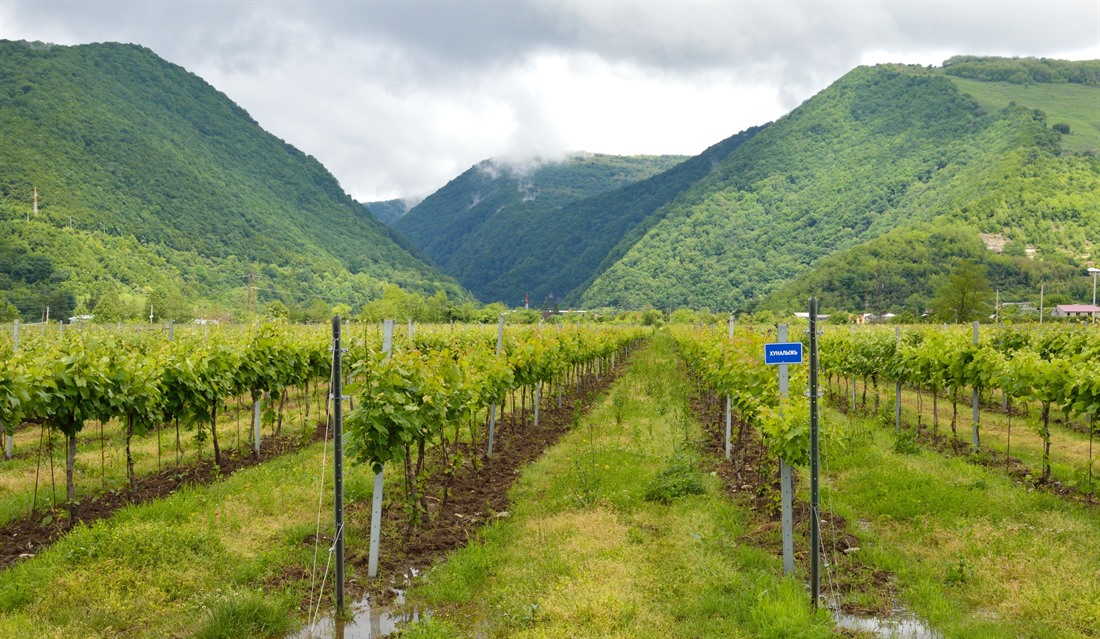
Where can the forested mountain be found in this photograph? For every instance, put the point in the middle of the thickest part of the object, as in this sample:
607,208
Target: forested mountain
154,188
503,229
152,183
902,167
388,211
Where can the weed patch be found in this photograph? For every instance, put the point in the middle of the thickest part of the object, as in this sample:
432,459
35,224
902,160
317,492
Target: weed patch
249,614
679,479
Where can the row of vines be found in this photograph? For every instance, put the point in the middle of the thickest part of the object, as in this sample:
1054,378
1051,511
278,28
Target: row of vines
432,393
143,380
425,395
1057,369
734,367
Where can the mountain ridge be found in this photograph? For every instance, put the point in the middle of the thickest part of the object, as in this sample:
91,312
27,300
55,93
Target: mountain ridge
119,142
884,147
494,216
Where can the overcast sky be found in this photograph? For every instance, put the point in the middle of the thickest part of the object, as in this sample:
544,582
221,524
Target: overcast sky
397,98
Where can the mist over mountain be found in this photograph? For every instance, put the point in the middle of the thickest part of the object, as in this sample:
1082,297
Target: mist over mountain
506,229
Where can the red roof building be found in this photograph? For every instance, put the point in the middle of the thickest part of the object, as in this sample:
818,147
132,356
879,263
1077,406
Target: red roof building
1075,310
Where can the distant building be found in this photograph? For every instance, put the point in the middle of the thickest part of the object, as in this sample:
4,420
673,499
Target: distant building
871,318
807,316
1075,310
548,314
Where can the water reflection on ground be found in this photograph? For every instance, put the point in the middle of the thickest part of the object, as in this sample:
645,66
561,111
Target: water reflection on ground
900,625
366,622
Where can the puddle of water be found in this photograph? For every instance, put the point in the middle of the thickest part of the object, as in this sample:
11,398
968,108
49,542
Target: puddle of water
900,626
366,623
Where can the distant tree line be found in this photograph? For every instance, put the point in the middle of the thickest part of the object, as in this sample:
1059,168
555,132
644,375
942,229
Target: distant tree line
1023,70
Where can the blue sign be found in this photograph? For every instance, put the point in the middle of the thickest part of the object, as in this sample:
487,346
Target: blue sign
783,353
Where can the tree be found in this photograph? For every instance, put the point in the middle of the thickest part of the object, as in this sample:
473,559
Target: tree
276,309
437,308
965,296
317,312
652,317
109,307
169,304
8,311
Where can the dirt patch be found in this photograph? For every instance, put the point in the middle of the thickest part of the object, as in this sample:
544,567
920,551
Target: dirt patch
25,537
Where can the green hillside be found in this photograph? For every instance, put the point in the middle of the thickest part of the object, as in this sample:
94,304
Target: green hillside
593,233
151,182
900,271
387,211
1075,105
496,226
1037,197
883,148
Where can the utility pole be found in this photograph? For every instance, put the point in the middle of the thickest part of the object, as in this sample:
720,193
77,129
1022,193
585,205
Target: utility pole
1094,272
252,290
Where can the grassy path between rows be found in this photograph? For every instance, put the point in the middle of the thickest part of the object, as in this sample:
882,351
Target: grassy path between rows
973,552
614,532
584,553
606,538
206,561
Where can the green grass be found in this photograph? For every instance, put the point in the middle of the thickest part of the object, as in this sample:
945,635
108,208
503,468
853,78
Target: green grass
1069,452
972,553
585,554
248,614
1077,105
101,462
205,561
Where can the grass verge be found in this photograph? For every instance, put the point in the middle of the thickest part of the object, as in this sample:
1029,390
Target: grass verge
225,559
